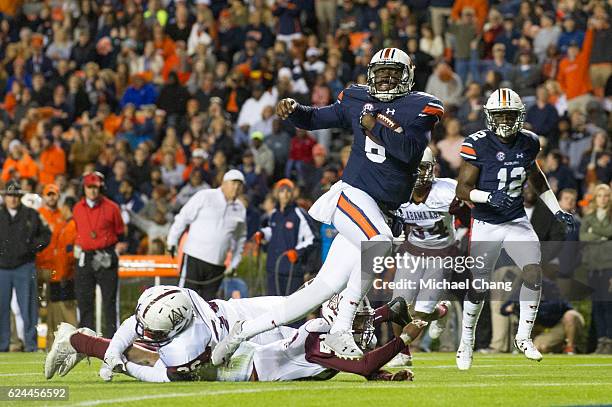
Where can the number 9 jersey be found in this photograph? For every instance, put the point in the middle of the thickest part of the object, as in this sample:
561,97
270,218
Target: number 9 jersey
502,167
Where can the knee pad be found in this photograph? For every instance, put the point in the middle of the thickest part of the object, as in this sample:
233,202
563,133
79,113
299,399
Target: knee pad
532,276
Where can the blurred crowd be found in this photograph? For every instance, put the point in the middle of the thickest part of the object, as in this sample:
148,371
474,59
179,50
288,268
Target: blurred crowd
163,97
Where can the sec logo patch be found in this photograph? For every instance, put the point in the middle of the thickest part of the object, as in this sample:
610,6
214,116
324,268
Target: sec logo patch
501,156
368,107
289,225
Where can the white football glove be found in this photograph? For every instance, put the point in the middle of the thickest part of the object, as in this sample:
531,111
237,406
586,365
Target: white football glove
400,239
116,363
106,373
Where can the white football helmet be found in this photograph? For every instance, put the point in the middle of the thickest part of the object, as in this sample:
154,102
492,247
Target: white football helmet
162,313
426,169
390,58
363,324
505,113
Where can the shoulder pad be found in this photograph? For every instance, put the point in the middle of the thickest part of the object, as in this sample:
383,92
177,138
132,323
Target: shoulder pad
429,104
469,147
356,92
530,134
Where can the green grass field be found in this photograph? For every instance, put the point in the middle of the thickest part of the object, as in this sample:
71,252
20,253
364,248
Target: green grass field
494,380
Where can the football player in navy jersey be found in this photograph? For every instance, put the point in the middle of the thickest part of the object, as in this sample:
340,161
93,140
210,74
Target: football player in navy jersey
496,164
391,127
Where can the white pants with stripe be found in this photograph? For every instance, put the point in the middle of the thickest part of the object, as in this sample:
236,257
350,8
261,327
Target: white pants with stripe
357,218
517,237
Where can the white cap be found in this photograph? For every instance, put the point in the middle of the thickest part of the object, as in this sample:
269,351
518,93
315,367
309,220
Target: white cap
312,52
14,143
199,153
233,175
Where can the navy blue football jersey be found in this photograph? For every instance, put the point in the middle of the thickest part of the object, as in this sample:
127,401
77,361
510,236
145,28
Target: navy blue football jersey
502,166
385,169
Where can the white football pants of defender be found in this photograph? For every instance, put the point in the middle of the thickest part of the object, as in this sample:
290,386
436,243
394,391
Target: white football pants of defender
357,218
414,282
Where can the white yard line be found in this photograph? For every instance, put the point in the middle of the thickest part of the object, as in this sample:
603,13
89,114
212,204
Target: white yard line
362,386
20,374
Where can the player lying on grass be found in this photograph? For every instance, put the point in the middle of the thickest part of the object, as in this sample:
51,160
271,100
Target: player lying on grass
184,353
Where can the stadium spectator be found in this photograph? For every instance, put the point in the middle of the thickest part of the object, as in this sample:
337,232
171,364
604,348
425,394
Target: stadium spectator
100,230
445,84
19,164
601,59
464,31
596,163
596,229
23,233
300,155
558,325
542,116
61,305
547,35
573,75
479,7
289,236
263,156
204,252
558,174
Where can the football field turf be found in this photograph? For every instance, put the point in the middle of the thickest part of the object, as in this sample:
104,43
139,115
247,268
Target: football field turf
504,380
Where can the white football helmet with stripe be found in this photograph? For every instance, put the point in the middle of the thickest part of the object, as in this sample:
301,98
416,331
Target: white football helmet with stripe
395,86
162,313
505,113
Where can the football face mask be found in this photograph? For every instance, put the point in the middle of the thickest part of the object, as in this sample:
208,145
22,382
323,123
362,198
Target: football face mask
390,74
386,78
505,123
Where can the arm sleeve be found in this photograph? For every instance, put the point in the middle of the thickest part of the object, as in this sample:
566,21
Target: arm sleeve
412,140
154,374
314,118
185,217
238,244
370,363
118,220
587,47
305,235
123,338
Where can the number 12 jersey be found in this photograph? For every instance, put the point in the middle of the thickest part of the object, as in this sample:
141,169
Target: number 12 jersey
503,166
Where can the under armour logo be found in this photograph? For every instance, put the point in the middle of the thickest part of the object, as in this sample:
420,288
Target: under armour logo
390,111
520,155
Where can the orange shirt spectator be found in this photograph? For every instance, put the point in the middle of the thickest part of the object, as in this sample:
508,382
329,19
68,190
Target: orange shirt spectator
46,259
64,255
52,163
573,73
19,161
480,6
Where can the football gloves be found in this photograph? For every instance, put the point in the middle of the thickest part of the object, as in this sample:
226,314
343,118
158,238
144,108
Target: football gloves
568,219
500,199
